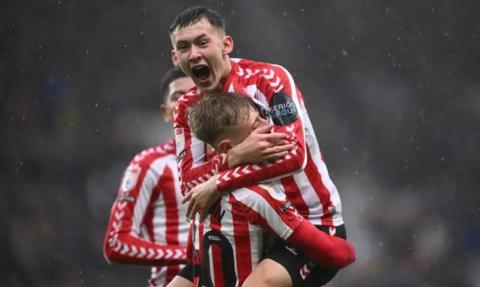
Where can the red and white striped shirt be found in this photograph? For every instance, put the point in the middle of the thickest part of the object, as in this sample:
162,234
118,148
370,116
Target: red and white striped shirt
229,242
302,173
147,223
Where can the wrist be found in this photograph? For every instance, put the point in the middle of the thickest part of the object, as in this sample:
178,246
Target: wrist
231,158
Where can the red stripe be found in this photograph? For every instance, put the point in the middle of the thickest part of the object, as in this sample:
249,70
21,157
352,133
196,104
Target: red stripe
148,217
167,184
243,254
215,224
294,195
144,167
315,178
171,206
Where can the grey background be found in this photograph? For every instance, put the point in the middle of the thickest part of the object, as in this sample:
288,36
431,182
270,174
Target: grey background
392,88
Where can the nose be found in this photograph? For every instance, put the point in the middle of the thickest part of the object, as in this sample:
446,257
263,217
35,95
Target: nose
194,54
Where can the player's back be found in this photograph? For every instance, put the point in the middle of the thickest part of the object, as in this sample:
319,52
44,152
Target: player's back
229,243
148,215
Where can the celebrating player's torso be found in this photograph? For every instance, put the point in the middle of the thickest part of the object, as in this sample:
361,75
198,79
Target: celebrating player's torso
302,174
147,223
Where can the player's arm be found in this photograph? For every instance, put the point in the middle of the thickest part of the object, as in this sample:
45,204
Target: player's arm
263,207
286,110
122,243
193,163
196,167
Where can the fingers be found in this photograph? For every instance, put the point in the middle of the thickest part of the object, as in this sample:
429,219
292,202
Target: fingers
193,208
203,214
274,136
276,156
279,142
190,208
278,149
187,197
263,129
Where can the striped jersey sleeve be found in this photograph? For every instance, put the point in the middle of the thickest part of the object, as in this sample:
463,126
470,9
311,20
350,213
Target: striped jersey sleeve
273,89
194,163
132,234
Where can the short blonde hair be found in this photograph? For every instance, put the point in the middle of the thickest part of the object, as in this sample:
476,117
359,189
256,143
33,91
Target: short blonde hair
214,114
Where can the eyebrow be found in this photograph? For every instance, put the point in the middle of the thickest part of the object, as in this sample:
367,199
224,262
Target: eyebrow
194,39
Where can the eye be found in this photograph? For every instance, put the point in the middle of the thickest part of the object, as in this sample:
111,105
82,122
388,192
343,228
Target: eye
203,42
182,47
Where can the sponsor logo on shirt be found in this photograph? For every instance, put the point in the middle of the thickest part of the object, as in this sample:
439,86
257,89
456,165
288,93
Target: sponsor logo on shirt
285,207
181,155
130,178
275,193
282,109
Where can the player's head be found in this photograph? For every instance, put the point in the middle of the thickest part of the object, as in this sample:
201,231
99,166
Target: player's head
224,120
201,47
173,84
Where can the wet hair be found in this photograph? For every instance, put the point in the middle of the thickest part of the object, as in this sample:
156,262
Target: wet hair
214,114
193,15
171,75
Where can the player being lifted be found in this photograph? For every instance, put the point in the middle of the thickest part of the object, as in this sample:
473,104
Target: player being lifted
285,153
147,223
229,243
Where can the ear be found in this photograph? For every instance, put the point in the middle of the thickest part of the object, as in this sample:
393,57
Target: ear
227,44
174,58
224,145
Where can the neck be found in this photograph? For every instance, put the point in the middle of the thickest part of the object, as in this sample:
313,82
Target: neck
228,68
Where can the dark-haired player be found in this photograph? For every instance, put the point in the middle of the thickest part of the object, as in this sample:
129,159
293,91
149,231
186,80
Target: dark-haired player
147,223
286,154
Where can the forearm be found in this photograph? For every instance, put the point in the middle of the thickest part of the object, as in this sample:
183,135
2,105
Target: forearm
249,174
326,250
191,176
129,249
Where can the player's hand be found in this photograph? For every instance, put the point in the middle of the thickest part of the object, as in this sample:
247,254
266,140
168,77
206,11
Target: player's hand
201,198
260,146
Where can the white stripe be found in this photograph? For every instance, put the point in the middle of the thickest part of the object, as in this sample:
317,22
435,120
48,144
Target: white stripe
148,183
313,147
256,202
310,197
197,148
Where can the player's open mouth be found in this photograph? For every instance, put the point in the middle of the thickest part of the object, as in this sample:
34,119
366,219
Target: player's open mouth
201,73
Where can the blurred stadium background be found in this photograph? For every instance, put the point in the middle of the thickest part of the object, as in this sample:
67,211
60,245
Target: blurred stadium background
392,88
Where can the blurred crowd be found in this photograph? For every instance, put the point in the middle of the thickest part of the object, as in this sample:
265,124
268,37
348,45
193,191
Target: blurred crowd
392,89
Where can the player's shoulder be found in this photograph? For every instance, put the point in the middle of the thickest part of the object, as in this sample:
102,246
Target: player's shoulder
180,110
190,95
251,69
147,156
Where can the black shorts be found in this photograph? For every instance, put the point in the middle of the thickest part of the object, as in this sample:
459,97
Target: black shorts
304,272
187,272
